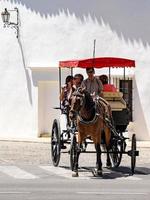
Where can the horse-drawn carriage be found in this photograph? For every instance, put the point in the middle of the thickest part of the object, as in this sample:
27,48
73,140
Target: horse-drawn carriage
70,132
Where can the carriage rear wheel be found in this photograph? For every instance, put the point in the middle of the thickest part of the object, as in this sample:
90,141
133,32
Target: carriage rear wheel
117,150
55,143
133,153
73,151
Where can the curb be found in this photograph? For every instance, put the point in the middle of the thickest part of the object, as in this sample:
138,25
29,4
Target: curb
28,140
140,144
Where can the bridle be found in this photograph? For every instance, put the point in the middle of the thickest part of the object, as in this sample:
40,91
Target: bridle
79,95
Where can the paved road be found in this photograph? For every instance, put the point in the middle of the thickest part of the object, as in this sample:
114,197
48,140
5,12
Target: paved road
47,182
26,172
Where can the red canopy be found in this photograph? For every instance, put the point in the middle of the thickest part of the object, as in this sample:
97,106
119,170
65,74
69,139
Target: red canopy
98,63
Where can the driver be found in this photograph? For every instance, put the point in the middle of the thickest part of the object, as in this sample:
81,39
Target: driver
92,84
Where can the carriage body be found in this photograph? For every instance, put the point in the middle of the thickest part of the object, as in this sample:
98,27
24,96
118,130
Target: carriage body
120,111
64,132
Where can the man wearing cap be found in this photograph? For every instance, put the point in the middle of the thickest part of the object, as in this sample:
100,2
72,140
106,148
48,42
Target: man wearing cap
92,84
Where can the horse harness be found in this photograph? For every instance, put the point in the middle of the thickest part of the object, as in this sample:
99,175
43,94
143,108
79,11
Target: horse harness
99,103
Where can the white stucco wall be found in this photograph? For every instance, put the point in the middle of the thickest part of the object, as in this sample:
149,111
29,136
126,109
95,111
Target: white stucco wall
49,36
141,99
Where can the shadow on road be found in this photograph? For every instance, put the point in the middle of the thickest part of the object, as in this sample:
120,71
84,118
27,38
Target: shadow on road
112,173
127,170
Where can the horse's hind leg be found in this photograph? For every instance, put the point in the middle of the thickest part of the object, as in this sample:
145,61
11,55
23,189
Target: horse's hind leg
107,139
108,162
98,171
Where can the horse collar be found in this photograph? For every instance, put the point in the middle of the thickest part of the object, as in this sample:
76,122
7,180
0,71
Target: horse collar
81,120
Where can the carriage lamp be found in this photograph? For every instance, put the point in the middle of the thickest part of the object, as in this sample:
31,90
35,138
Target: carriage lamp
6,19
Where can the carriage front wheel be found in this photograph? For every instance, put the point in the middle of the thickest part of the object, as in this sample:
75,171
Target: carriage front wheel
73,151
55,143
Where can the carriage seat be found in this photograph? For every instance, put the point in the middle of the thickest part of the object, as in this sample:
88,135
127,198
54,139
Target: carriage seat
115,99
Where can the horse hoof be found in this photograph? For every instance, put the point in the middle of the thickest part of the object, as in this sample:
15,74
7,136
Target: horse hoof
75,174
109,166
97,173
100,173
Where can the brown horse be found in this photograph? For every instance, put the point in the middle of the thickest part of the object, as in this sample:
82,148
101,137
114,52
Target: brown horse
91,121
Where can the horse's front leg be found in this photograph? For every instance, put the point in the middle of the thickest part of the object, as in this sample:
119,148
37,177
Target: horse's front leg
77,144
98,170
76,165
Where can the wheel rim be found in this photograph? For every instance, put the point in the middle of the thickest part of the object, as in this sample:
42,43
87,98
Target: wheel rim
133,154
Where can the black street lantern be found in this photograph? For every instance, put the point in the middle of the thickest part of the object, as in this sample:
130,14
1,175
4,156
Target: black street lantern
13,24
5,16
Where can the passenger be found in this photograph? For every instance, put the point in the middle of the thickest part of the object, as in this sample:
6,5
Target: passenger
92,84
66,93
77,80
106,86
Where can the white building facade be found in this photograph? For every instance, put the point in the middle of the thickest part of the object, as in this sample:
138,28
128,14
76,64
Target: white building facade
51,31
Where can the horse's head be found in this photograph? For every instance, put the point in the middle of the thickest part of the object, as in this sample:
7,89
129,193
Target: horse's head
77,101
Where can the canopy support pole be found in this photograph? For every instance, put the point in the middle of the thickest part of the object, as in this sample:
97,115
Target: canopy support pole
124,79
94,49
59,85
71,71
109,74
